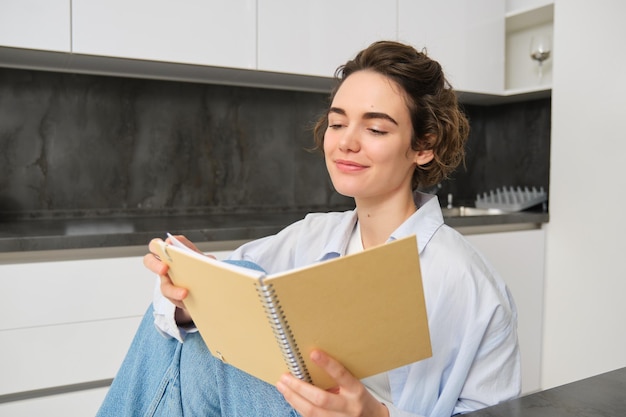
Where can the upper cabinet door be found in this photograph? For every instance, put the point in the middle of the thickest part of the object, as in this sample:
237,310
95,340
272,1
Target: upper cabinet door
466,37
315,37
35,24
203,32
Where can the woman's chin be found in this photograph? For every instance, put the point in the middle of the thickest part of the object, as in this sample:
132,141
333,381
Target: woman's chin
348,192
350,187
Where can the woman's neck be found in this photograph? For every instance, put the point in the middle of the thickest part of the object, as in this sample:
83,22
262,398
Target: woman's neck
378,221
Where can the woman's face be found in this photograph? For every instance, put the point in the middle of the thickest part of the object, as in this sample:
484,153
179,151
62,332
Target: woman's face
367,144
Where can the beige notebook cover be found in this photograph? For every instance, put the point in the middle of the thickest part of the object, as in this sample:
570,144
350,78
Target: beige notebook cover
366,310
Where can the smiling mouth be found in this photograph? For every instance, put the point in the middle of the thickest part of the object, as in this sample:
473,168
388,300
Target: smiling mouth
349,166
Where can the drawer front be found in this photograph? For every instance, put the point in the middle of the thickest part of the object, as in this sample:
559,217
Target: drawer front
66,354
52,293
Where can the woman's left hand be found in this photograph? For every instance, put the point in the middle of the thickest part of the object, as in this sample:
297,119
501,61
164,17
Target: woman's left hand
348,398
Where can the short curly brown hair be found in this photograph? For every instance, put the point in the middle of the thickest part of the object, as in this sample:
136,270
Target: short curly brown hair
438,122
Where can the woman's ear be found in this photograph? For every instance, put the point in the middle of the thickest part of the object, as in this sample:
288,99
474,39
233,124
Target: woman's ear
424,157
425,153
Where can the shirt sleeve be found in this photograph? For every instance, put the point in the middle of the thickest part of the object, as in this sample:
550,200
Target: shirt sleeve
396,412
472,321
164,319
495,374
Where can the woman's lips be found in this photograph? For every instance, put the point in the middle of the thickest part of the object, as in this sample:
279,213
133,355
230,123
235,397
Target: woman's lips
349,166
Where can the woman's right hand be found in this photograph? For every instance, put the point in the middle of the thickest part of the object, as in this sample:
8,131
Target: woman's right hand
173,293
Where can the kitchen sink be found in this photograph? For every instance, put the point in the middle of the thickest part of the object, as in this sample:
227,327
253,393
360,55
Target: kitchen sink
463,211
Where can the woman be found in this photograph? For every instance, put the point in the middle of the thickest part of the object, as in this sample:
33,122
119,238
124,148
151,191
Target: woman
393,125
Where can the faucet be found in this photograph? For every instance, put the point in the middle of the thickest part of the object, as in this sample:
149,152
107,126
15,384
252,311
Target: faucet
450,201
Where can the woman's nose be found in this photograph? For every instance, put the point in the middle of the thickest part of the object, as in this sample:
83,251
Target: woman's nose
349,141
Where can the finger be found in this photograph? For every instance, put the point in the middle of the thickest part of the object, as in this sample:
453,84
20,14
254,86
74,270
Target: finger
154,245
152,261
170,291
304,397
174,294
154,264
334,369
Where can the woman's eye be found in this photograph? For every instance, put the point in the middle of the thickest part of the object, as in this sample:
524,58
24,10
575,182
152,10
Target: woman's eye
377,132
334,125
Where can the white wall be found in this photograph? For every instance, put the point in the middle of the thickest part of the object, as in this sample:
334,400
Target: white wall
585,294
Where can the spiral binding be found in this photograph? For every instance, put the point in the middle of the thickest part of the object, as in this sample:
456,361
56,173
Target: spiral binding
282,332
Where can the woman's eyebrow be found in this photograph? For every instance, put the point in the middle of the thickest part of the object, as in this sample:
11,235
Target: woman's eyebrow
337,110
376,115
369,115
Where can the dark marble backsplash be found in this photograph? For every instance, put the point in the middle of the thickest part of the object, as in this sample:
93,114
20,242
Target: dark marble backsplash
83,144
509,146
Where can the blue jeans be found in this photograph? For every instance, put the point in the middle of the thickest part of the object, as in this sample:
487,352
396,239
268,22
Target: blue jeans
162,377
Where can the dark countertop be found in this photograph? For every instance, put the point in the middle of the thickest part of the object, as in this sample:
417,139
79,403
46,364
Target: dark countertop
54,233
603,395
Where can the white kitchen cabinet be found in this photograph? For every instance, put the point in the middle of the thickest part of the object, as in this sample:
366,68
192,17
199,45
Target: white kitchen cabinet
519,258
314,38
58,355
535,19
35,24
277,43
466,37
202,32
67,322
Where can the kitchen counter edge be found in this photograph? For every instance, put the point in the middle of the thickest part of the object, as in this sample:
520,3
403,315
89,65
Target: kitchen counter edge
105,241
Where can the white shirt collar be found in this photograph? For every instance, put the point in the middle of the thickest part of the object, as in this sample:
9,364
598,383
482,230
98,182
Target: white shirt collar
426,220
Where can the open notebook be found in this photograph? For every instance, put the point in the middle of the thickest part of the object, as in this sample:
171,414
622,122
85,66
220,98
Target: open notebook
367,310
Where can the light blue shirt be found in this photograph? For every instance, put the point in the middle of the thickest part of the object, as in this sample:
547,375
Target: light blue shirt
472,316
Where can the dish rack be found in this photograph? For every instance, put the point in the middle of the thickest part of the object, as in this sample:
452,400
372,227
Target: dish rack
511,199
